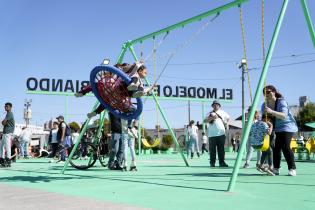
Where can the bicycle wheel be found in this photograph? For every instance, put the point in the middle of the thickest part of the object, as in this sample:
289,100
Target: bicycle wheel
103,153
85,156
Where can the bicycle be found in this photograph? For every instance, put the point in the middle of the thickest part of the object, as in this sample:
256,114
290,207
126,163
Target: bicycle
87,153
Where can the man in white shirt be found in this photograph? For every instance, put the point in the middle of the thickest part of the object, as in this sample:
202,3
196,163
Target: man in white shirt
24,141
218,123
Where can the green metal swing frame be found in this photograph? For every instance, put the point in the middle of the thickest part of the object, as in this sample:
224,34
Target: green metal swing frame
129,46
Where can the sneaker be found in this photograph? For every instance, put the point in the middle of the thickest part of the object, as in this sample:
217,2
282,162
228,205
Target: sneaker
260,169
198,154
51,161
124,168
292,172
276,171
137,94
133,168
268,171
91,114
78,95
246,165
61,162
132,87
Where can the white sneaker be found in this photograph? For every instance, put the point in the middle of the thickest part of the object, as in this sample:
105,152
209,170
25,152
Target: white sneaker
276,171
292,172
132,87
91,114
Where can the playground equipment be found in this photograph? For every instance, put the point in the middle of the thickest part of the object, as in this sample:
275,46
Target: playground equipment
147,145
129,46
303,149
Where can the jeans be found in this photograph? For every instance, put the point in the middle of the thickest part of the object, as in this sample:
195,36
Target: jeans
117,150
249,153
5,144
24,148
129,142
66,144
193,144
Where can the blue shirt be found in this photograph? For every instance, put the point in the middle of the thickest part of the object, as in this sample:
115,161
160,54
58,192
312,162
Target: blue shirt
286,125
257,133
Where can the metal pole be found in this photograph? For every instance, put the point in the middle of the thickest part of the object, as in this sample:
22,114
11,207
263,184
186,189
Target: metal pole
190,20
257,96
162,112
78,141
308,21
188,111
203,117
243,97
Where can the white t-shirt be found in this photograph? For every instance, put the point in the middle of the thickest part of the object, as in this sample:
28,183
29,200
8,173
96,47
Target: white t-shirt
54,136
217,128
25,135
75,137
204,139
193,131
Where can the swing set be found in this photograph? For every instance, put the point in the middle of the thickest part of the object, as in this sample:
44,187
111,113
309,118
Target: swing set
125,108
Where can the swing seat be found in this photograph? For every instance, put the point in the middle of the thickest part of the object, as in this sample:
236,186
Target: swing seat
265,145
109,85
148,145
294,145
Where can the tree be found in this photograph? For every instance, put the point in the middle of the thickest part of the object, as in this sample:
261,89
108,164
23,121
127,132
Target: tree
306,114
74,126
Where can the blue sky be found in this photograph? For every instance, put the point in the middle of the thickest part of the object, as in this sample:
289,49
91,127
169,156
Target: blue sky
66,39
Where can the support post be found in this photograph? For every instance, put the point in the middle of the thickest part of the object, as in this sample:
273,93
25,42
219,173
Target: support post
257,96
162,112
78,141
308,21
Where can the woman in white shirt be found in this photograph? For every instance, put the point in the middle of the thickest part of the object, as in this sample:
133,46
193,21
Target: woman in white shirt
193,139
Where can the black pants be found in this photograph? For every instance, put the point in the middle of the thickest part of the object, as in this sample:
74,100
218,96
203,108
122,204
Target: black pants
204,148
282,143
54,148
217,144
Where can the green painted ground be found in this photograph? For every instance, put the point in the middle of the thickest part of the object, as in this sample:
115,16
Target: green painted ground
164,182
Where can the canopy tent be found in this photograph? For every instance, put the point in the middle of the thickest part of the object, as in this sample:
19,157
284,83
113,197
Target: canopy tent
310,124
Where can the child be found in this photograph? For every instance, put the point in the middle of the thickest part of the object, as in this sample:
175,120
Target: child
193,138
204,143
136,71
256,138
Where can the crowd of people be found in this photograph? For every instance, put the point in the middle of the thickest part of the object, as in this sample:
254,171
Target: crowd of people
277,122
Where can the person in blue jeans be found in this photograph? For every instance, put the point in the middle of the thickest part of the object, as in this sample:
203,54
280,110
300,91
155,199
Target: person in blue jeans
117,145
63,137
284,126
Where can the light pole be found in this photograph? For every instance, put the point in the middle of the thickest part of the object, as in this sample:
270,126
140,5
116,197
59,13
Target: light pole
242,66
27,111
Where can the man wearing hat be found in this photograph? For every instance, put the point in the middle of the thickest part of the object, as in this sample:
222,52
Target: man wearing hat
63,136
217,121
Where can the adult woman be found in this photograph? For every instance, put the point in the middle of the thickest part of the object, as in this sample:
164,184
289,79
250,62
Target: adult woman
284,127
